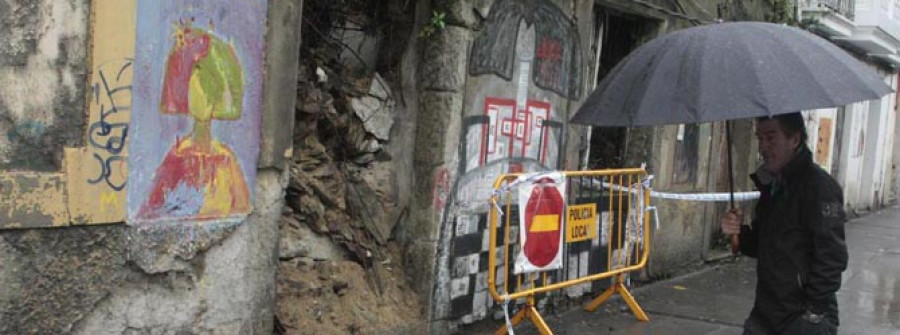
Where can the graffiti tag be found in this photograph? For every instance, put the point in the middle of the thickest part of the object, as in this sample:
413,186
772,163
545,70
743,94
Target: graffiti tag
549,60
106,136
441,189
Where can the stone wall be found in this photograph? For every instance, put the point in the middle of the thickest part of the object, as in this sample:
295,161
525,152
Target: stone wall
116,279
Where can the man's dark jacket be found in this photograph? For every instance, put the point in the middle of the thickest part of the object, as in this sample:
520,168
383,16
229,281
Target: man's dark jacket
797,235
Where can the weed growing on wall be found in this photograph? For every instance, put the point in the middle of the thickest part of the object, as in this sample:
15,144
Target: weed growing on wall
435,24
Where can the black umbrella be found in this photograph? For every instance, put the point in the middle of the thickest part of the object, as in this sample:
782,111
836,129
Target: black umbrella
728,71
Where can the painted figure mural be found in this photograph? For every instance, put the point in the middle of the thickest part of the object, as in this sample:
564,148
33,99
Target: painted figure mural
200,106
203,79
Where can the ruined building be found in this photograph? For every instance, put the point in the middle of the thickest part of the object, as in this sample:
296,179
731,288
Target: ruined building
302,167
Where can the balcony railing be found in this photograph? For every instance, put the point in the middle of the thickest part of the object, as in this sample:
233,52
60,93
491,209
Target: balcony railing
843,7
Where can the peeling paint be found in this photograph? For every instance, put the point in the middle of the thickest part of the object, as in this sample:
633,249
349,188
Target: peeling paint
30,200
17,44
47,42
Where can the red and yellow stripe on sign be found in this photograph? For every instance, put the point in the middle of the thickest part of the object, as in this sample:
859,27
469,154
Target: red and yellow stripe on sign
545,223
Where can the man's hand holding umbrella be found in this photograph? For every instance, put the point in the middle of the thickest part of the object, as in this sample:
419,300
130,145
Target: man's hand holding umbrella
731,225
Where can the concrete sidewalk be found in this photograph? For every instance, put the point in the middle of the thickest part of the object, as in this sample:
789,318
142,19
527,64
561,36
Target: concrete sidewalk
716,300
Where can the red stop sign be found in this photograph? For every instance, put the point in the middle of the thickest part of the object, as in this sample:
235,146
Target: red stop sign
543,223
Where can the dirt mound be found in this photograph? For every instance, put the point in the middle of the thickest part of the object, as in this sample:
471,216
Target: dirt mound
341,297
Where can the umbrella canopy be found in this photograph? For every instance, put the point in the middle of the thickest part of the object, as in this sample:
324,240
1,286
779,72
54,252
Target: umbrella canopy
728,71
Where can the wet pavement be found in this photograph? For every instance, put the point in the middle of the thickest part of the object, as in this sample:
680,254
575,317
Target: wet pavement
717,299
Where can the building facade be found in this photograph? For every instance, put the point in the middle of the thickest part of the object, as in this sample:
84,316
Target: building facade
856,142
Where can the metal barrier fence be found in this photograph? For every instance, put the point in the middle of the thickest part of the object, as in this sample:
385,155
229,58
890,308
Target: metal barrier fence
538,221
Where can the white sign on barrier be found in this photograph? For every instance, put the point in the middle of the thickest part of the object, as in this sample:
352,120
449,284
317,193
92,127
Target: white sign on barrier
542,213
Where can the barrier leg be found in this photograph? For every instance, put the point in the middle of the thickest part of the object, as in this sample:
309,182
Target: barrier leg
539,321
619,287
629,299
518,317
602,298
530,312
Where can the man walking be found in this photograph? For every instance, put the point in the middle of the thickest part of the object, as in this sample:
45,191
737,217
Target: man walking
797,235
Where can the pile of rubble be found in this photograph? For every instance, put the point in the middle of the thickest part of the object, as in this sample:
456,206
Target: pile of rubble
340,270
340,176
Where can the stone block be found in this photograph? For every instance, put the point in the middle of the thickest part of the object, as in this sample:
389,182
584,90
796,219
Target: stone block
419,262
458,12
483,7
425,225
376,110
444,62
52,278
282,52
298,240
362,203
437,134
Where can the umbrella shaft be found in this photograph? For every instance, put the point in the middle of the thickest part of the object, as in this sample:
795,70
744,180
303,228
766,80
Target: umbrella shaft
735,242
730,162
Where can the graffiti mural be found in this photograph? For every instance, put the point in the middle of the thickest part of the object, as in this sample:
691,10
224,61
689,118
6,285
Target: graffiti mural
512,132
525,66
557,48
196,112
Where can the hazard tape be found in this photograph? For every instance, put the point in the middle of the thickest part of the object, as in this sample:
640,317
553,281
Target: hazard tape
706,197
528,178
700,197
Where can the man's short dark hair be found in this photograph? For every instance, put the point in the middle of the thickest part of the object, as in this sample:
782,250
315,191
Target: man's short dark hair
791,123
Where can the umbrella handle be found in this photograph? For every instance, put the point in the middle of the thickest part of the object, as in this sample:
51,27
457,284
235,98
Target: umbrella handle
735,245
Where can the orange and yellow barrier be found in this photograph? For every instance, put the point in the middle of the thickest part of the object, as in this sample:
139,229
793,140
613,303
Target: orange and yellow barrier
605,218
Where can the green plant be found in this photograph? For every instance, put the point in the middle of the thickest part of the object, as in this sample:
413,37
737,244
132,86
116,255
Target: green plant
435,24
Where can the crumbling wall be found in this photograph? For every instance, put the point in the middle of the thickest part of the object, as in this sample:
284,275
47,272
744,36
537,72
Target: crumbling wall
52,279
228,288
117,279
43,53
213,276
342,262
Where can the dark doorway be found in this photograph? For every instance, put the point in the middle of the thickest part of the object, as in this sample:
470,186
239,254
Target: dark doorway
621,33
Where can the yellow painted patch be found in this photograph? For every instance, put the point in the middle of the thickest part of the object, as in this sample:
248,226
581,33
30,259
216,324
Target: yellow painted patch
823,150
226,192
581,222
679,287
92,203
32,200
110,199
97,173
545,223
